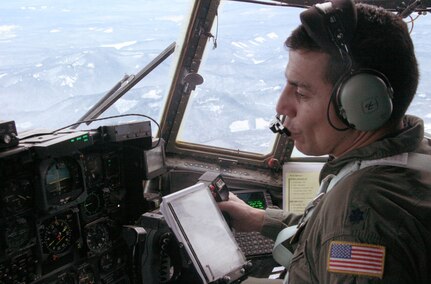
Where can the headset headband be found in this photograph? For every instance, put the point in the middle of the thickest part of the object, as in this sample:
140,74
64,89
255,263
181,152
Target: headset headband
331,24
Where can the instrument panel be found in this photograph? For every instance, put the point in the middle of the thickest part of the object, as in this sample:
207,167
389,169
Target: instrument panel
63,207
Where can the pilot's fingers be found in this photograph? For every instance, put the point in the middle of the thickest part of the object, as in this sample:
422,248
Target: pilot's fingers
243,216
228,205
235,198
233,204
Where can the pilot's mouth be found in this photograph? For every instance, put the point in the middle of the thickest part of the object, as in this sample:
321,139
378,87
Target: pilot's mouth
294,136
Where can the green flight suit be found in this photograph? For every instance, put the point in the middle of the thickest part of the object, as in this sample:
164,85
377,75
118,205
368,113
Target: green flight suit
384,210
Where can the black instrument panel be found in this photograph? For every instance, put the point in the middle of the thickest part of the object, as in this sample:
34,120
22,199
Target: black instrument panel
63,206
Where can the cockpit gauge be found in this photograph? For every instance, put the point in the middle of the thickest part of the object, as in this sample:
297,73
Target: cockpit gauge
93,170
58,179
22,268
93,204
113,260
62,182
86,275
98,237
106,262
17,195
57,235
62,177
17,235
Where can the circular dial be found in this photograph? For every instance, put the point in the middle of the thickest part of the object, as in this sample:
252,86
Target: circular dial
92,204
16,195
98,238
86,276
57,236
106,262
17,234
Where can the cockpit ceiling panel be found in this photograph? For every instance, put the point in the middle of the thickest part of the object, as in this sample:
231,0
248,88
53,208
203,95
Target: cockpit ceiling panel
393,5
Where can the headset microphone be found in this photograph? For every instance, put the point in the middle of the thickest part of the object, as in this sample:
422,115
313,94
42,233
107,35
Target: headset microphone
277,126
362,98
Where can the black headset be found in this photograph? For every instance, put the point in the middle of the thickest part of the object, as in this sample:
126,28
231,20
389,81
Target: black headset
362,98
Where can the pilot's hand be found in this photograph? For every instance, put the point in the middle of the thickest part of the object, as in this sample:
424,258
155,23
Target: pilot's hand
242,216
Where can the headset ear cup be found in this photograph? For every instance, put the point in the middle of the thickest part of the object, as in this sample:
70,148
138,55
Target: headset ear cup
364,101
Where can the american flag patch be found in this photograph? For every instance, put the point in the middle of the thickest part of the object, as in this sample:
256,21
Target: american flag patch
356,258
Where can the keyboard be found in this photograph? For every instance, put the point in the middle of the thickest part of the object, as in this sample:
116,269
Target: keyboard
253,244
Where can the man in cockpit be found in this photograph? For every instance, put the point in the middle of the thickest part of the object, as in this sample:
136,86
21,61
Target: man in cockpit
351,75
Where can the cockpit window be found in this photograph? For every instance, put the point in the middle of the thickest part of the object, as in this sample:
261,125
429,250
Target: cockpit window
58,58
420,32
243,69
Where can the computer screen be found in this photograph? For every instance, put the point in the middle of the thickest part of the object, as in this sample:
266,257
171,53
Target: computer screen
154,160
255,198
198,224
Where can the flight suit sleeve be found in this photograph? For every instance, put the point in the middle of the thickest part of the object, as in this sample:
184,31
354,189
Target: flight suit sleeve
371,237
348,255
276,220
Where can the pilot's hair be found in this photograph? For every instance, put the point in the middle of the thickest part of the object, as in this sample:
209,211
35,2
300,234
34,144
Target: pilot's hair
381,42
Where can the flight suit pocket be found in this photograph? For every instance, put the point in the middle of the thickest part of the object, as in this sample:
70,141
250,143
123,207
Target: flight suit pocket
299,271
299,253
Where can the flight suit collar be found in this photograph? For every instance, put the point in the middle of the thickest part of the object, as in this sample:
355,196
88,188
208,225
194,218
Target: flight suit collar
407,140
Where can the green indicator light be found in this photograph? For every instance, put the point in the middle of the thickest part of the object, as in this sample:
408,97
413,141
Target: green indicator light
78,138
85,139
72,140
85,136
256,204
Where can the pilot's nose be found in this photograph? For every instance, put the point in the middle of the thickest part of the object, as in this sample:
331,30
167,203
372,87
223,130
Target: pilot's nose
286,104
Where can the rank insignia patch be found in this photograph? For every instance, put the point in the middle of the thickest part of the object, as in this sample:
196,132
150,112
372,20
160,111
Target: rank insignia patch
356,216
356,258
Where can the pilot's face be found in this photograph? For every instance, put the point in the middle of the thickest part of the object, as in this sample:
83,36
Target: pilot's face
304,101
